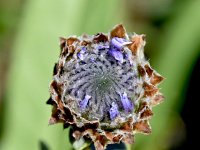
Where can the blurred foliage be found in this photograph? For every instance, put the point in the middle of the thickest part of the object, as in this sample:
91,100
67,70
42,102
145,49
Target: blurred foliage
9,18
173,33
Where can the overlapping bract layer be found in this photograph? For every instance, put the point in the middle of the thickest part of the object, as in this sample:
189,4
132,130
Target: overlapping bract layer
103,87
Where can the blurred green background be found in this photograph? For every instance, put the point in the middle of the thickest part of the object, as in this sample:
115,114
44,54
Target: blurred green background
29,47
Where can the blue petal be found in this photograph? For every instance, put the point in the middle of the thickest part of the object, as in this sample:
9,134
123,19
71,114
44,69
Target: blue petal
92,60
117,54
81,54
83,49
119,42
116,46
103,47
84,102
128,106
114,111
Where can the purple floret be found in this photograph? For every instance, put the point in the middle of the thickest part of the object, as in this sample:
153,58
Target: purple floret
116,54
81,54
114,111
119,42
128,106
116,46
100,47
84,102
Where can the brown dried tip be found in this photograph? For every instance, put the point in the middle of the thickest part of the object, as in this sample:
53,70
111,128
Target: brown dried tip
62,42
142,127
156,79
100,37
150,90
149,70
118,31
141,71
52,121
157,99
71,40
146,113
137,43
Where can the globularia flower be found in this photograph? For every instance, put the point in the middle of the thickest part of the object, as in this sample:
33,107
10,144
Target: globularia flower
103,87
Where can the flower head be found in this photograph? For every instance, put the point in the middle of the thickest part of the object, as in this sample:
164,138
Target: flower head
103,87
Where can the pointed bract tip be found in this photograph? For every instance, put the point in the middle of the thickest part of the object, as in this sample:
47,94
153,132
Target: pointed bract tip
118,31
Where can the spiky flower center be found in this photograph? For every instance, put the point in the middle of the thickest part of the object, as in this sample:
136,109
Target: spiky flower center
103,80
